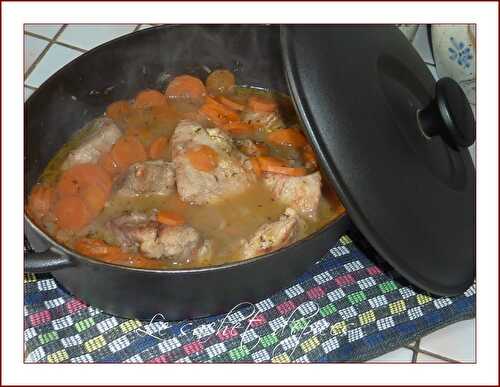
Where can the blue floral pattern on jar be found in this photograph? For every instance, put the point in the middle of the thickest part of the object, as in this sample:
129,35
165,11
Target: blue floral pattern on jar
460,53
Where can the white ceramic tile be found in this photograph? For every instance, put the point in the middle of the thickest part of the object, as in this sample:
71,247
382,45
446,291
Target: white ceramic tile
401,355
53,60
27,93
472,151
33,47
88,36
433,71
421,44
409,30
423,358
455,341
47,30
144,26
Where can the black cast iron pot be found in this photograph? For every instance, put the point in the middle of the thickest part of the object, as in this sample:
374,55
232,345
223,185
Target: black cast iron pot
391,140
118,70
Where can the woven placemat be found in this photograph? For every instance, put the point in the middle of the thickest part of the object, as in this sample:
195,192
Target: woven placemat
346,308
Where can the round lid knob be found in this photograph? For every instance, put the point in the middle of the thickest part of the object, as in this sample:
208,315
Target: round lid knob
449,115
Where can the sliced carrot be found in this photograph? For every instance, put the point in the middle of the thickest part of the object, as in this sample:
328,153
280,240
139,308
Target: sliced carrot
203,158
71,213
287,170
230,114
127,151
40,200
194,116
158,148
164,115
99,249
94,198
238,127
108,164
287,137
220,81
148,98
261,104
275,165
170,218
80,176
230,104
117,110
213,115
186,86
135,119
91,247
256,166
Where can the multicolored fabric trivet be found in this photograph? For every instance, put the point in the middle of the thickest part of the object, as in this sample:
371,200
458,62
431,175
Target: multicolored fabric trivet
345,308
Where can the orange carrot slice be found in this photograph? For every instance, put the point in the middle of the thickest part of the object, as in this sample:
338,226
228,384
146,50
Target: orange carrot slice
256,167
203,158
94,198
229,114
158,148
99,249
91,247
287,170
148,98
275,165
81,176
287,137
170,218
186,86
213,115
108,164
238,127
261,104
118,110
127,151
220,81
72,213
230,103
40,200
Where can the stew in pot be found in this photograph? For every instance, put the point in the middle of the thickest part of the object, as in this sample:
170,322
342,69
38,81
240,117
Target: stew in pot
198,175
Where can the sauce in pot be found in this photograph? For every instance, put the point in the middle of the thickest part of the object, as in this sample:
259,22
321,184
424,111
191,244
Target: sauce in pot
198,175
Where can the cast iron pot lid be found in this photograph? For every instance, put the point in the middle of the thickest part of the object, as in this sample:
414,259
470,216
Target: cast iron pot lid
394,144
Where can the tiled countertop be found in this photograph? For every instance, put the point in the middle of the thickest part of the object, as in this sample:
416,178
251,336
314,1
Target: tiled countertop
49,47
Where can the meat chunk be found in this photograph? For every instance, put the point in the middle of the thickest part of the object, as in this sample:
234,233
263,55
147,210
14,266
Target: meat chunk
273,236
182,244
302,193
147,178
104,133
265,120
232,175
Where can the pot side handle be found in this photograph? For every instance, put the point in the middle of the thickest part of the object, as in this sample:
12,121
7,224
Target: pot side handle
45,261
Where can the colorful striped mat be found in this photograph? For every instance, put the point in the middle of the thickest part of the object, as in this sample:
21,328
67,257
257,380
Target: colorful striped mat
347,307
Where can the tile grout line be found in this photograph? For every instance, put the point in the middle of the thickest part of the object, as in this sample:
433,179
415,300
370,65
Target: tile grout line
415,351
440,357
45,50
56,42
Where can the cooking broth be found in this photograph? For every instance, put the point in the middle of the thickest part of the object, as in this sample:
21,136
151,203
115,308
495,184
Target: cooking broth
264,132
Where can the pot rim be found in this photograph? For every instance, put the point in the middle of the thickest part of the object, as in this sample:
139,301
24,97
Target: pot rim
73,254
